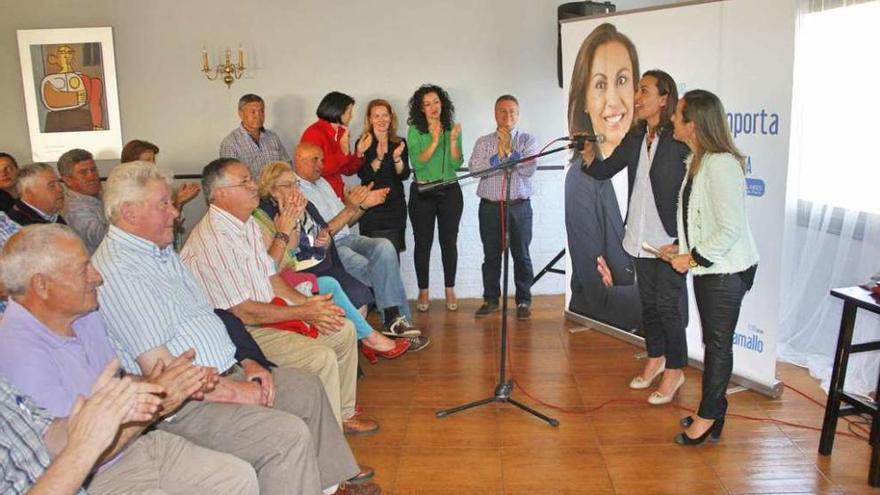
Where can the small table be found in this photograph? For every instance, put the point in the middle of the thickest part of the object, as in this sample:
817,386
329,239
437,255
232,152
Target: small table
853,299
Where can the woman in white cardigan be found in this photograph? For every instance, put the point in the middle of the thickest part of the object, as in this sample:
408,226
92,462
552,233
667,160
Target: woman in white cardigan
715,244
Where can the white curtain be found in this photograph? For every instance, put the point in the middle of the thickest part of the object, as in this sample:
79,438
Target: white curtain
834,239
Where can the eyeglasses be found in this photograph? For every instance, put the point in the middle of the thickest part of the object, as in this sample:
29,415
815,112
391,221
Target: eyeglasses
246,182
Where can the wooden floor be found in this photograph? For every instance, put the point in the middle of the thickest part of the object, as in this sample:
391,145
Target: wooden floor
622,448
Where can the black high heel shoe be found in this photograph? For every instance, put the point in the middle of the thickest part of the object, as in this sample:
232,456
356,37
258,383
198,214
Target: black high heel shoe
713,433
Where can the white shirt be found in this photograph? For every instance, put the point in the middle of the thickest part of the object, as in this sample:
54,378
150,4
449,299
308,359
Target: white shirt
320,194
643,222
229,259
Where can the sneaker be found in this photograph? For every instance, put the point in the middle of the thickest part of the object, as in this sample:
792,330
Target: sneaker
416,344
486,309
400,328
523,312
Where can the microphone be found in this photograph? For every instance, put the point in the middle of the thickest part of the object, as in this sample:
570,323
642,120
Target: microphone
579,138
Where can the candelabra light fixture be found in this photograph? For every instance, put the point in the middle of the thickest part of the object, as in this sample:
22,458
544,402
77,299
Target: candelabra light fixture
227,69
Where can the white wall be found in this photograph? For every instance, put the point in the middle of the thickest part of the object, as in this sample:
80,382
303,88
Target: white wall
298,51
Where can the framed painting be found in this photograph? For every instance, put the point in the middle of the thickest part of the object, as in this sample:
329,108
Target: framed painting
69,78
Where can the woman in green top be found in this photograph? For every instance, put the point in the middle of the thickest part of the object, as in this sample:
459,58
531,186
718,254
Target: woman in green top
434,140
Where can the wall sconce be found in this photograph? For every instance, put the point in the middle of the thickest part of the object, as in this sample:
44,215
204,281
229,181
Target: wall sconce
230,71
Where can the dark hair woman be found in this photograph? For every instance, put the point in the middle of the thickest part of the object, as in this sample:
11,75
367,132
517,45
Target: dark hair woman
138,149
655,167
386,164
435,154
8,181
330,133
715,244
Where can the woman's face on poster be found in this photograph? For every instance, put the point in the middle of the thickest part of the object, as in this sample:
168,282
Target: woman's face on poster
610,93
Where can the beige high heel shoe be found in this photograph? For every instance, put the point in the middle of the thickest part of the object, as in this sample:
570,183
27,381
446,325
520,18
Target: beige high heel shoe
639,383
657,399
423,306
451,304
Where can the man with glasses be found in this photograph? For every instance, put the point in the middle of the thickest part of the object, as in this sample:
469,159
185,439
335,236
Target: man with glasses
229,258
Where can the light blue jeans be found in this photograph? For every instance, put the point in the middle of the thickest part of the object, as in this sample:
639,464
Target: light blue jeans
374,262
329,285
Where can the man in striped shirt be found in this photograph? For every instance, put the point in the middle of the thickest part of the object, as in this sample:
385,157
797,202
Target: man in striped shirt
54,347
154,310
229,258
43,454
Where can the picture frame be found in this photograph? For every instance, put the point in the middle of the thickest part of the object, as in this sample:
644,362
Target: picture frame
71,98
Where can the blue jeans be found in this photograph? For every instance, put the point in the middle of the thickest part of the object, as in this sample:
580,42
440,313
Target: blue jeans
374,262
520,237
329,285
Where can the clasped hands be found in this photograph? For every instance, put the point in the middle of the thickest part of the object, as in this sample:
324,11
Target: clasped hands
290,210
365,197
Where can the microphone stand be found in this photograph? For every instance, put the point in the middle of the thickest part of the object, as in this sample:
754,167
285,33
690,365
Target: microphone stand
504,386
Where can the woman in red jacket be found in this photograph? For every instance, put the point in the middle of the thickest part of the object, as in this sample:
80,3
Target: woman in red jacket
331,133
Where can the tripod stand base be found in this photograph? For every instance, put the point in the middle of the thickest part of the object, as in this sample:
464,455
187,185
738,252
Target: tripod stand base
502,394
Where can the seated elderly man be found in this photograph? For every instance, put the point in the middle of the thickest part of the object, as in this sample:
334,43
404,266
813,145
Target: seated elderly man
155,310
83,209
7,229
53,348
225,252
41,196
372,261
44,455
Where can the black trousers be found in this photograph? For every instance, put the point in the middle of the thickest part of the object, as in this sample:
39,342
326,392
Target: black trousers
663,293
442,208
719,299
520,227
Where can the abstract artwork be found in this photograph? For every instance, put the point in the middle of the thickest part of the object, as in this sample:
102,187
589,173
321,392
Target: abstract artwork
69,80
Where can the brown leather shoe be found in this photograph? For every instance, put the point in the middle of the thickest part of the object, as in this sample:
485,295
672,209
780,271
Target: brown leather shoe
366,474
359,426
362,489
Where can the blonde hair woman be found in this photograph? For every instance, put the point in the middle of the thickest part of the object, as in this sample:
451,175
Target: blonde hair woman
386,164
297,242
715,245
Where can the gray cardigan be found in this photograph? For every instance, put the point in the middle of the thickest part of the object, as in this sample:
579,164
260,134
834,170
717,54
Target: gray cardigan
718,224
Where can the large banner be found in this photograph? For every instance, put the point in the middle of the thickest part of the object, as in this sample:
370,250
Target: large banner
743,51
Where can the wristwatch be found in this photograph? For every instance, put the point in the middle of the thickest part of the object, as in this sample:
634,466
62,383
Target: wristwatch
281,236
692,263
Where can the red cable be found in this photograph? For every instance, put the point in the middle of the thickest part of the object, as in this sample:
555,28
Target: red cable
639,402
690,410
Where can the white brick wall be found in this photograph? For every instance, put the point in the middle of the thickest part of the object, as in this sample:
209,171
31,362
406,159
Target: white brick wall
548,239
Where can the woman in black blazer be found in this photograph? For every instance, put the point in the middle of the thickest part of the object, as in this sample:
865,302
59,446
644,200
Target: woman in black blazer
655,168
386,164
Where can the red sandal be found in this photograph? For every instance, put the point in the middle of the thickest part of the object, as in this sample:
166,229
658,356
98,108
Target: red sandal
400,347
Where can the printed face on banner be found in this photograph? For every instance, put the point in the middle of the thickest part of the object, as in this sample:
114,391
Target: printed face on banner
601,101
741,50
609,93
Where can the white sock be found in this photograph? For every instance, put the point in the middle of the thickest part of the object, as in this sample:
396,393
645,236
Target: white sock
331,490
